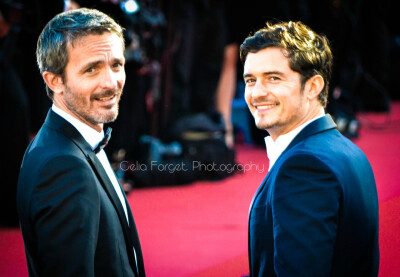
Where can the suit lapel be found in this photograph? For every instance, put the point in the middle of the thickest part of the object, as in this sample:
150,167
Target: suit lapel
109,188
55,121
107,185
136,242
260,188
319,125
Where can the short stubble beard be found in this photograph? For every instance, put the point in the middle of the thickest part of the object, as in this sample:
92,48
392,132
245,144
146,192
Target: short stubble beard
95,117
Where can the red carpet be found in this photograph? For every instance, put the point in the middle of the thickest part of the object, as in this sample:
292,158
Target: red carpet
200,229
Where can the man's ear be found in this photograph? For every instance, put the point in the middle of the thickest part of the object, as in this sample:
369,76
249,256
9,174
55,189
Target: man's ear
54,81
314,86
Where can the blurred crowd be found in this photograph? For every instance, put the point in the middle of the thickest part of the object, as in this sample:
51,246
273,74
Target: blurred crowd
183,73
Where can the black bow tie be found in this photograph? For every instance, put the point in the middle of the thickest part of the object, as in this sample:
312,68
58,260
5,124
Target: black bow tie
104,141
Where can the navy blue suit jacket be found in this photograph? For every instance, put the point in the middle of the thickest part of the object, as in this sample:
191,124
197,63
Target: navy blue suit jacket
72,220
316,212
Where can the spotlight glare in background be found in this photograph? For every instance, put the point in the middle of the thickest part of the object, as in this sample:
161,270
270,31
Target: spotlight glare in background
67,5
130,6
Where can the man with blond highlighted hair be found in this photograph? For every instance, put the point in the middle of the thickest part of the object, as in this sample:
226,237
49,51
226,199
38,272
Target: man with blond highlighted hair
316,212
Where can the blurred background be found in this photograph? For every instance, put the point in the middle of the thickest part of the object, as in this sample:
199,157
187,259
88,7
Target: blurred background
183,98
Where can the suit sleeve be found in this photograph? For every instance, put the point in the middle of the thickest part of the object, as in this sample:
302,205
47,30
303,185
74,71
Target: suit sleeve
65,215
305,209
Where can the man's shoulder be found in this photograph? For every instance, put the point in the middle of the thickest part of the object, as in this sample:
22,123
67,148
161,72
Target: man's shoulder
327,141
330,149
48,146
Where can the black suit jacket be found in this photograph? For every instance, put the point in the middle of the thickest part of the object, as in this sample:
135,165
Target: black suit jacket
72,220
316,212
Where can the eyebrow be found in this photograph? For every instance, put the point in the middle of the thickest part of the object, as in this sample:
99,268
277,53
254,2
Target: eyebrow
95,63
247,75
264,73
91,64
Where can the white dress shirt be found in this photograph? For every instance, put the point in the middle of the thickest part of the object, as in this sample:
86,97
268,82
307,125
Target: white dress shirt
93,138
275,148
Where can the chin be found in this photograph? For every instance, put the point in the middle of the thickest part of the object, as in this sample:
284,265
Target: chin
111,115
261,124
110,118
106,117
265,126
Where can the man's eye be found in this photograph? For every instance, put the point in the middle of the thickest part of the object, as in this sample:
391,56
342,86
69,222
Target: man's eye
90,70
249,81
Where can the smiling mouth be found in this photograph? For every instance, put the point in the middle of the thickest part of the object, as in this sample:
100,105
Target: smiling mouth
106,98
265,107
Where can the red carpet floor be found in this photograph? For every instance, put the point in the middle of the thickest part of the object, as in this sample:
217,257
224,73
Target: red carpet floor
200,229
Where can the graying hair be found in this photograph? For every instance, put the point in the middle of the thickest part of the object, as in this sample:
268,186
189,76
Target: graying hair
64,28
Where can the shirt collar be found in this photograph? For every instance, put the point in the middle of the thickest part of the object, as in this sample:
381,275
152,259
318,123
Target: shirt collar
89,134
275,148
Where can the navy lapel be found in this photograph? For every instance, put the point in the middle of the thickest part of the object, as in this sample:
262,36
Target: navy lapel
319,125
260,188
322,124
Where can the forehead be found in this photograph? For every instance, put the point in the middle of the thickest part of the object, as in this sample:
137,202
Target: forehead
96,44
267,59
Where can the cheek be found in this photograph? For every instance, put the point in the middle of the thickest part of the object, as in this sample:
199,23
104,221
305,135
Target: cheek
88,86
122,77
82,91
247,96
122,82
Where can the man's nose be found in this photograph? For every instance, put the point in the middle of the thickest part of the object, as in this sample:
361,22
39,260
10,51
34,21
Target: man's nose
110,79
259,89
